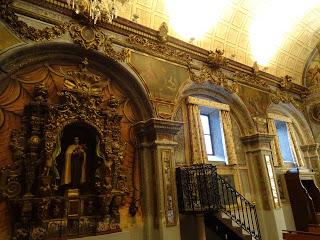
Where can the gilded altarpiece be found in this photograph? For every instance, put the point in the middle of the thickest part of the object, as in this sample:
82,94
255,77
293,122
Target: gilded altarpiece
53,108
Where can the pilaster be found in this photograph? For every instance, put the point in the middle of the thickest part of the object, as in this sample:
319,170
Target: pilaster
156,151
311,155
259,155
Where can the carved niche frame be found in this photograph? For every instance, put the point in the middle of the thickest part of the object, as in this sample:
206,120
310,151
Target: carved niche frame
33,147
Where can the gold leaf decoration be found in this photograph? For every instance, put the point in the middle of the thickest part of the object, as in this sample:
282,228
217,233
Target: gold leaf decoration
252,79
215,77
158,49
216,59
86,36
28,32
284,97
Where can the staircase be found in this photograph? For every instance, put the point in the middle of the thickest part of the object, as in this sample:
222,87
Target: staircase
227,213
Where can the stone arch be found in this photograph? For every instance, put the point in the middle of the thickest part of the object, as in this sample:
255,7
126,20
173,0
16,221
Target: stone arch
298,119
34,54
238,109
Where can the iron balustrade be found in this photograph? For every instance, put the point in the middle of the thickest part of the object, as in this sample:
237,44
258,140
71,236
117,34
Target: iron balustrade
202,190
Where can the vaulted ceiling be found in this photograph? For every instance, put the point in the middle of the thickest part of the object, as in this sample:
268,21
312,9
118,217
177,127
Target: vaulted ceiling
245,29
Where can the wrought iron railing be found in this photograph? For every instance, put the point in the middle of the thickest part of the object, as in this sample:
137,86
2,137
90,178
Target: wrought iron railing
202,190
238,208
197,189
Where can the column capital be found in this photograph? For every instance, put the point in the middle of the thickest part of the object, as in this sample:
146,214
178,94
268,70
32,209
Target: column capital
258,141
310,147
157,129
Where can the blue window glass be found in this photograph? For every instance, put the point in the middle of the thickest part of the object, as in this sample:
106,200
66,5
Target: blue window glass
284,141
213,134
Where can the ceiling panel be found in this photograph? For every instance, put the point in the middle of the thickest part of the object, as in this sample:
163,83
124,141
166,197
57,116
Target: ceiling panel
231,33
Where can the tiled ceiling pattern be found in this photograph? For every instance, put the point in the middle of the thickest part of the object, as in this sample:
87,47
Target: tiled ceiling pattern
232,34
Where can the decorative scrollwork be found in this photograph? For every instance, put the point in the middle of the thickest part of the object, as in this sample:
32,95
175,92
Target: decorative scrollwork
161,50
86,36
216,59
31,183
214,76
280,96
252,79
28,32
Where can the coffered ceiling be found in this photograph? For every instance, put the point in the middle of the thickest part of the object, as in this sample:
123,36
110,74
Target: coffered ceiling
233,31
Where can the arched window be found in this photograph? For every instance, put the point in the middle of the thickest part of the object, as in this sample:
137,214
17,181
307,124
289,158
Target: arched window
285,145
210,131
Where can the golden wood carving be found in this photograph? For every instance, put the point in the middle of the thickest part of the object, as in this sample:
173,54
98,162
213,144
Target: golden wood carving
33,175
158,49
83,80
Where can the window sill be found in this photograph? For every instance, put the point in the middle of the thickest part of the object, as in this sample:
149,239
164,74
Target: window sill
217,163
289,165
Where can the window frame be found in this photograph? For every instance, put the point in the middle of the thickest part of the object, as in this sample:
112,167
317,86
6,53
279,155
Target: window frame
214,158
291,147
210,134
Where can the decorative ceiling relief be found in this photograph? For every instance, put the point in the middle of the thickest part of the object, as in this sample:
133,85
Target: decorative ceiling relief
253,78
278,96
213,73
159,49
28,32
87,36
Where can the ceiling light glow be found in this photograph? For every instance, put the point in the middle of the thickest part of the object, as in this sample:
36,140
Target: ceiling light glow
272,23
192,19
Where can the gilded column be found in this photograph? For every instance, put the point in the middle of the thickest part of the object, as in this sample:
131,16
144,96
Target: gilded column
156,141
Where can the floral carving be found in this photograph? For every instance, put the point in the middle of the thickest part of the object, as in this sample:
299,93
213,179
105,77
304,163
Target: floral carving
28,32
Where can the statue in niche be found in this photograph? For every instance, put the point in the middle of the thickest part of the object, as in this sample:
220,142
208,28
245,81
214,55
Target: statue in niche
74,171
77,156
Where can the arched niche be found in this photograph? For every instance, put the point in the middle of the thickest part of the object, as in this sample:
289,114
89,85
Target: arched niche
27,58
90,138
32,55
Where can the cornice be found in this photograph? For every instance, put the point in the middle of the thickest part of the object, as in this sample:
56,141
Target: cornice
173,49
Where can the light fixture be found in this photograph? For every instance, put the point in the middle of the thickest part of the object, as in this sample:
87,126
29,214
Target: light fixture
105,10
